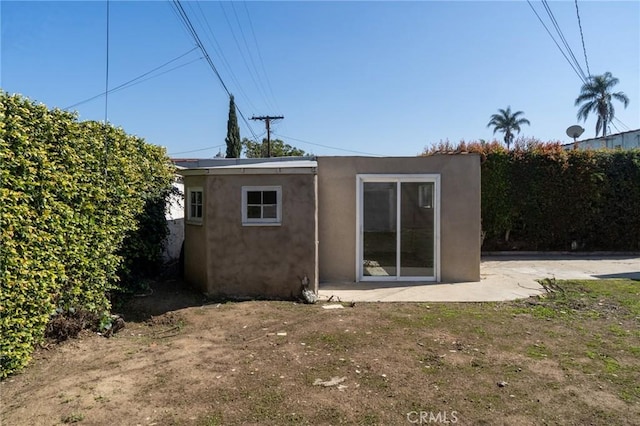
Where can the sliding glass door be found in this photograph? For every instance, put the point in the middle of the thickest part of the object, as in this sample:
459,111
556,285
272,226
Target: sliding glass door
398,227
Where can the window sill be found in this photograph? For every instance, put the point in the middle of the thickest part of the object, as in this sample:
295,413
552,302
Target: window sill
195,222
261,223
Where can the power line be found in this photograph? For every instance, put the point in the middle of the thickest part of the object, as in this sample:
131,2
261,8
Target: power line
621,123
545,3
106,101
189,26
158,75
327,146
187,23
106,76
255,40
175,12
261,88
556,43
219,51
575,64
584,49
197,150
576,68
240,50
129,83
616,127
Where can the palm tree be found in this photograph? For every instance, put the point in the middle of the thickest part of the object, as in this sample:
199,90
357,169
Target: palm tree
595,96
507,123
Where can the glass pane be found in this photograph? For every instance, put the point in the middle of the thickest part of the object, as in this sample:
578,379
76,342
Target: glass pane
379,229
254,212
269,212
198,211
254,197
417,233
425,195
269,197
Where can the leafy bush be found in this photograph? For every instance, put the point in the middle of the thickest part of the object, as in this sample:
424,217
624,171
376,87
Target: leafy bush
540,197
71,194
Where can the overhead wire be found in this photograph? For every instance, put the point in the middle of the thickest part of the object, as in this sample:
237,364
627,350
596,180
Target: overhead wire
106,77
584,49
586,60
574,63
622,123
190,28
240,51
159,74
130,82
253,64
556,43
106,98
255,40
197,150
616,127
325,146
545,3
219,51
177,15
189,25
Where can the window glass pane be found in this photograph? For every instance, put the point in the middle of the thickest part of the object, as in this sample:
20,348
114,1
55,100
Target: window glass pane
425,195
254,197
254,212
195,204
270,212
269,197
379,229
417,229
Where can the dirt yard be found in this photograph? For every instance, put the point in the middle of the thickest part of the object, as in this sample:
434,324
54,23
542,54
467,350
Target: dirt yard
569,359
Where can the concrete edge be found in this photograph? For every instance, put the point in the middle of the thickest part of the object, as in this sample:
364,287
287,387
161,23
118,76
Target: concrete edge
559,253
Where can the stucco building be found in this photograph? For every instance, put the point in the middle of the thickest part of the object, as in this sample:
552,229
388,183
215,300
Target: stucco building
259,228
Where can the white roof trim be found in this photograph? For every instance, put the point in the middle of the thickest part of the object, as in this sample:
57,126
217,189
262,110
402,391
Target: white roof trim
272,167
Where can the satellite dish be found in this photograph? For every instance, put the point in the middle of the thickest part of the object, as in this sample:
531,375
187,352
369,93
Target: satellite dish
575,131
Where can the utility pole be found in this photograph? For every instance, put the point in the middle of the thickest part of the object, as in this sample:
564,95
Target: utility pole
267,119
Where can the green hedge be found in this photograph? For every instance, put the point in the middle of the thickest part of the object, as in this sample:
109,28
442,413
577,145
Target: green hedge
71,194
541,197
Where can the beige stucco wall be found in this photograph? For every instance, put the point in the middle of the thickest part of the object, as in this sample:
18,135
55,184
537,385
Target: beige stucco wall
253,261
459,211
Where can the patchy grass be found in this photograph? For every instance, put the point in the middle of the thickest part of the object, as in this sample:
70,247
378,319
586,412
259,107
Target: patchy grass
569,357
72,418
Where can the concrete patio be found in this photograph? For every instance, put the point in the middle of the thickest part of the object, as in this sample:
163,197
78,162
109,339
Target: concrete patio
502,278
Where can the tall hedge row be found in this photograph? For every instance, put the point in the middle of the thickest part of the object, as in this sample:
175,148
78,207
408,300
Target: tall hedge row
541,197
70,194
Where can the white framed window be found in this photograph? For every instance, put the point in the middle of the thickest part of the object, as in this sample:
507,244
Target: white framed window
261,205
195,202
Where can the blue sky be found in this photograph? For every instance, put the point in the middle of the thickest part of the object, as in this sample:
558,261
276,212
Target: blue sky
383,78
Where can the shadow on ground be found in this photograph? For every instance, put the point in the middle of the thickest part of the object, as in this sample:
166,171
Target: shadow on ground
627,275
165,296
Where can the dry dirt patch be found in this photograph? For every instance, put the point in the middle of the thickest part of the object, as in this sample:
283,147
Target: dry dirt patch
183,360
